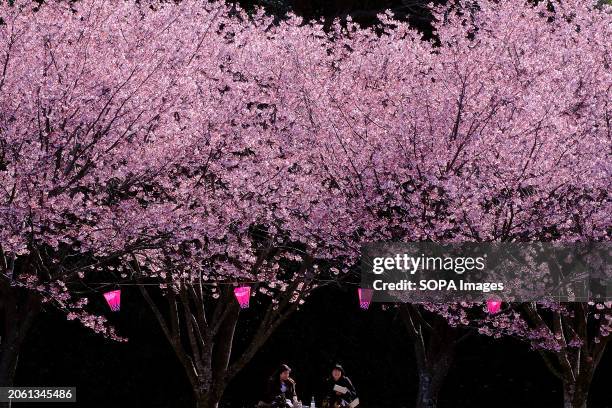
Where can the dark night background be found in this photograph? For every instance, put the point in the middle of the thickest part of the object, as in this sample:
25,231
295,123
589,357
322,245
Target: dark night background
372,345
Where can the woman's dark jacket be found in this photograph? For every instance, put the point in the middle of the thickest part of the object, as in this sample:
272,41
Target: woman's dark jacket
274,389
343,381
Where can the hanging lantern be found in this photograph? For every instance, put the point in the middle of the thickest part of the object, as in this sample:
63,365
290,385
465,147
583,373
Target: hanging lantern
493,306
365,297
243,295
113,298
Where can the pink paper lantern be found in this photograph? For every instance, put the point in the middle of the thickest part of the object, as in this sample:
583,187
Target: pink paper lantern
493,306
113,298
243,295
365,297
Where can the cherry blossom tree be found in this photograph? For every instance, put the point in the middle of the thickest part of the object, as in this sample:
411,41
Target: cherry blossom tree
190,173
262,224
499,131
93,98
147,141
564,206
200,316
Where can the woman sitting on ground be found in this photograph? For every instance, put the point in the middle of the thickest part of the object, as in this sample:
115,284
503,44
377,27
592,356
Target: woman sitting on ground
281,389
340,391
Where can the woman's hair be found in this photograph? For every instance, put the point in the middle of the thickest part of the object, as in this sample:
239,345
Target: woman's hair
339,368
280,370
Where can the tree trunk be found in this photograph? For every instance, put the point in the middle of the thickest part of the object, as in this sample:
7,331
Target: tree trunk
575,394
203,339
8,366
429,387
9,355
574,366
17,312
431,377
574,399
434,346
207,400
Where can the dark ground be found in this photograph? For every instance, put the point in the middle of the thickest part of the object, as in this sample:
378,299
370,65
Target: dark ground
371,345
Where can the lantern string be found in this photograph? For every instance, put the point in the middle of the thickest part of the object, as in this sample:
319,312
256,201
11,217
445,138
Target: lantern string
212,283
